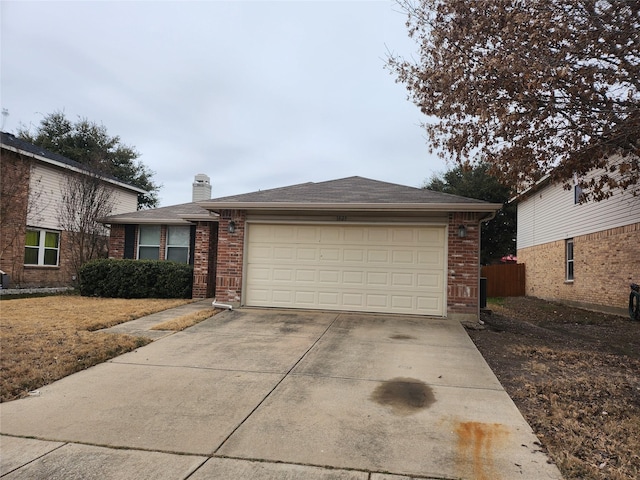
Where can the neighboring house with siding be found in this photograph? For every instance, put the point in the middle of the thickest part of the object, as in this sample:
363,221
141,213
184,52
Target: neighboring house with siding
582,254
34,249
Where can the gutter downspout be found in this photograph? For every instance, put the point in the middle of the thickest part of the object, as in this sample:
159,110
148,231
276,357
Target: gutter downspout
215,304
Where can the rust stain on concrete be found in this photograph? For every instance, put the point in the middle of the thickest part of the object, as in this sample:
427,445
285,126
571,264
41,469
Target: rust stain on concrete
477,444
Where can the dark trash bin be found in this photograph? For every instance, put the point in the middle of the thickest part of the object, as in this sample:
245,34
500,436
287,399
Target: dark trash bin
483,292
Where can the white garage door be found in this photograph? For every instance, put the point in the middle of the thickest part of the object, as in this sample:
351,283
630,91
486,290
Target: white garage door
395,269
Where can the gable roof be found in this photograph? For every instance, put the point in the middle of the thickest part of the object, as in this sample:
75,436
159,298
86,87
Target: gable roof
352,193
22,147
182,214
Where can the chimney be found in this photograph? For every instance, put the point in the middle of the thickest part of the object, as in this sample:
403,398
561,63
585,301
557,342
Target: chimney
201,188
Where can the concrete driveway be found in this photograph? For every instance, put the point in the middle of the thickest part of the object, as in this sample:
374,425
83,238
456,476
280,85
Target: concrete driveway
271,394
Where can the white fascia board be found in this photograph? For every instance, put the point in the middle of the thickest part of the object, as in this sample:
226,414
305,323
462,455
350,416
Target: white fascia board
72,168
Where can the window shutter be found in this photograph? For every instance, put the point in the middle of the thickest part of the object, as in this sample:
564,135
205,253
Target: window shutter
129,241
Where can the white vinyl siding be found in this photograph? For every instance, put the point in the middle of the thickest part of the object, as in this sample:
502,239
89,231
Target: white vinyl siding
46,185
550,214
371,268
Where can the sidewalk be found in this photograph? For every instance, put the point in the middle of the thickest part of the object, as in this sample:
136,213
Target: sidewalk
141,327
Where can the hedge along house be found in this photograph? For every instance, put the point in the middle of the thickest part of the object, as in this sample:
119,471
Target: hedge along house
36,246
351,244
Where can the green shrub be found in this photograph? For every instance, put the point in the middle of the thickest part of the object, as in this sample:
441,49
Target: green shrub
136,279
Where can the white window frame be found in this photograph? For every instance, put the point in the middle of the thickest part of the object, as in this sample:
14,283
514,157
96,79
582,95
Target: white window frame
569,255
148,245
42,248
176,246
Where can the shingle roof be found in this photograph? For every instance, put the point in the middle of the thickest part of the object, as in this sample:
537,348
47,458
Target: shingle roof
345,192
14,143
174,214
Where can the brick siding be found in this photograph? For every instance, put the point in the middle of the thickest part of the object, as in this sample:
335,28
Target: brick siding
116,241
14,191
204,260
230,256
605,263
463,267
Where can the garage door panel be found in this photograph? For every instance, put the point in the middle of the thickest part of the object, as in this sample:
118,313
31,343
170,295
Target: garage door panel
403,279
283,275
386,268
329,276
328,299
430,258
330,254
306,275
306,254
353,278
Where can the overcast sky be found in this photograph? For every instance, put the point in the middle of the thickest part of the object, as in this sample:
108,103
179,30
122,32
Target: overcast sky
256,95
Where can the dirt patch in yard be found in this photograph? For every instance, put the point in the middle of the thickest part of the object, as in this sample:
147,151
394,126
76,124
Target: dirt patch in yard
575,376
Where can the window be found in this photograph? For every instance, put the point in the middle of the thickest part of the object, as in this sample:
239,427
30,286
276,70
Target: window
41,247
178,244
149,242
578,194
569,259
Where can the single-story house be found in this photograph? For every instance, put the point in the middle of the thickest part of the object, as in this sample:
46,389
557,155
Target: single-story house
349,244
35,249
581,254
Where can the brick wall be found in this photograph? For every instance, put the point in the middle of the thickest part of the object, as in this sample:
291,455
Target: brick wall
116,241
230,256
605,263
463,269
14,191
203,260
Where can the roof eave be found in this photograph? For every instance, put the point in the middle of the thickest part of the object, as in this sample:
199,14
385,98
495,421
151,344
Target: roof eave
368,207
70,167
144,221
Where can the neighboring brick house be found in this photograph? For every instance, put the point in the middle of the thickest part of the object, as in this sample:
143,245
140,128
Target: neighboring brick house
582,254
350,244
34,250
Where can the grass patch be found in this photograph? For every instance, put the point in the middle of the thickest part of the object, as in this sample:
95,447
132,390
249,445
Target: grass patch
496,301
185,321
47,338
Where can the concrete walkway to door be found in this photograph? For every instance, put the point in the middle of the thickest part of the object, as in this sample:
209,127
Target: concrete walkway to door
271,394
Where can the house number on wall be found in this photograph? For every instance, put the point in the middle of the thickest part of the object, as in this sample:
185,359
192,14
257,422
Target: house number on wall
341,218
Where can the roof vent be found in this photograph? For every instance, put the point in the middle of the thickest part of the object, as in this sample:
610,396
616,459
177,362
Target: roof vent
201,188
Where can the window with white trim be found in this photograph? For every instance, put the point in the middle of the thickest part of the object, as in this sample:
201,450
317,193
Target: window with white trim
42,247
149,242
569,259
178,243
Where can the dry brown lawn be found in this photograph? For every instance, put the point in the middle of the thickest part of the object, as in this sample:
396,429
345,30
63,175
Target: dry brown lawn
575,376
185,321
44,339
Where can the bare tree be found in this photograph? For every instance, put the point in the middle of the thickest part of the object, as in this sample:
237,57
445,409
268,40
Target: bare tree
85,199
530,87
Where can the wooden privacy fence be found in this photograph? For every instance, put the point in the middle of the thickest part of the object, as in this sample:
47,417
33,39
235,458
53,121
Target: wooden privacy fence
505,280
